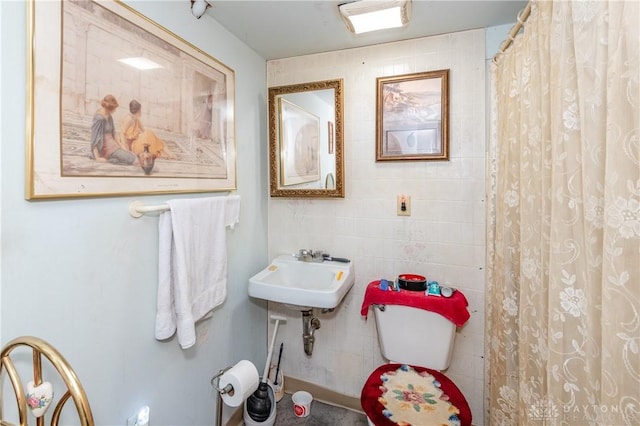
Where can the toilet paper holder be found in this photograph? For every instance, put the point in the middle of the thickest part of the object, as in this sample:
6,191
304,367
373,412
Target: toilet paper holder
221,391
227,389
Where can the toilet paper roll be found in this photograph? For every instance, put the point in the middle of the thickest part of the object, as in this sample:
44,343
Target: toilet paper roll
244,378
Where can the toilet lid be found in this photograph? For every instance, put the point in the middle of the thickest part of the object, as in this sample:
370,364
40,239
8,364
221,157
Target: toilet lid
399,394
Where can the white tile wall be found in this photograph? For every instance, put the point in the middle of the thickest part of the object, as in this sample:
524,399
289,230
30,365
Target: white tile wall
442,239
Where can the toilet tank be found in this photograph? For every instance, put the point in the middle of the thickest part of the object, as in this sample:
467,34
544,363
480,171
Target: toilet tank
415,336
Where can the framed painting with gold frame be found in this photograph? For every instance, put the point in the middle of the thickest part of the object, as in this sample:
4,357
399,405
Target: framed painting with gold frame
90,63
412,117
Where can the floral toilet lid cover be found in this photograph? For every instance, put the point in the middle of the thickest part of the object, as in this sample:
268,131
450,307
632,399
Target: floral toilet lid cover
399,394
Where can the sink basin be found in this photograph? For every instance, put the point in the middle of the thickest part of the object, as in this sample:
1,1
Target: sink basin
305,284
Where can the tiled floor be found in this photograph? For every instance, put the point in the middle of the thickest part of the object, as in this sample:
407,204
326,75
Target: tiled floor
321,415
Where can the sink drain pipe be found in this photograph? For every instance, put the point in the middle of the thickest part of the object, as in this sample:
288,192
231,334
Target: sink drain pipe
309,325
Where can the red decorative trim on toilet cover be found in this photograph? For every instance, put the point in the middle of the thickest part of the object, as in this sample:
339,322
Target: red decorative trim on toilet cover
370,398
453,308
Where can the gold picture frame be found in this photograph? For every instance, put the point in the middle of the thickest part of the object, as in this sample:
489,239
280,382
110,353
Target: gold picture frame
83,87
412,117
300,138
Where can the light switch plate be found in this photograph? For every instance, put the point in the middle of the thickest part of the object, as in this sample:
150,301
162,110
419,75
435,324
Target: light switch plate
404,205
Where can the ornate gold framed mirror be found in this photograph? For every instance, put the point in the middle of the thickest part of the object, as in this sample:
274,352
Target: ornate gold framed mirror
306,140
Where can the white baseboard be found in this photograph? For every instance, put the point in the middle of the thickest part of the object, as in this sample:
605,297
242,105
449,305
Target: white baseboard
322,394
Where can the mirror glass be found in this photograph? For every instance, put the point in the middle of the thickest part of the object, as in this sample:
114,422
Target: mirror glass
305,140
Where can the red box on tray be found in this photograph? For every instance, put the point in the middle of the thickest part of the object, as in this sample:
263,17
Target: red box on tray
412,282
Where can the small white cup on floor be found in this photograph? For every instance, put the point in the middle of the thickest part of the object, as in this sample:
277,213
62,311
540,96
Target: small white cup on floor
302,403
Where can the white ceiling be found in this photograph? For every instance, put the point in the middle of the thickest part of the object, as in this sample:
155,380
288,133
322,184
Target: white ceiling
281,29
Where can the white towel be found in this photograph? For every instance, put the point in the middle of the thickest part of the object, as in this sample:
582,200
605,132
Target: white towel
192,270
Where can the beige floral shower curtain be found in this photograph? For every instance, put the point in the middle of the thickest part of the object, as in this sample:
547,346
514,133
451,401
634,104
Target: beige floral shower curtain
563,276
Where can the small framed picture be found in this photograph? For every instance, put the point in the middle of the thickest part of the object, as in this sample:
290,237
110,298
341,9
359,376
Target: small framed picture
412,117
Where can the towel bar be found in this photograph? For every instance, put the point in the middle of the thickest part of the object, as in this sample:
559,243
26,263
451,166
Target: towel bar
137,208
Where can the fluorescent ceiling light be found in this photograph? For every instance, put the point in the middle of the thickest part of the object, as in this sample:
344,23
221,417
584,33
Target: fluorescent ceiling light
140,63
371,15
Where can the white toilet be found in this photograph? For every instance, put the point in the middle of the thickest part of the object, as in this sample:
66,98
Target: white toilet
411,389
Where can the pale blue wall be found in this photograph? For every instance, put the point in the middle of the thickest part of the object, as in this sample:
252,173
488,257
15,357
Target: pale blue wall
82,273
494,37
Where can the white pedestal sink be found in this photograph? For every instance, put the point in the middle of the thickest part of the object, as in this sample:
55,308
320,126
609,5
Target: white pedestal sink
304,284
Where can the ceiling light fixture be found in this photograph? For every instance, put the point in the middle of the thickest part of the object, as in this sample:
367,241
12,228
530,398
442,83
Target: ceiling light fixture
198,7
371,15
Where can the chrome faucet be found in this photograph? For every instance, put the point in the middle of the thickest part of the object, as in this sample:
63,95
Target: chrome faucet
310,256
318,256
304,255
